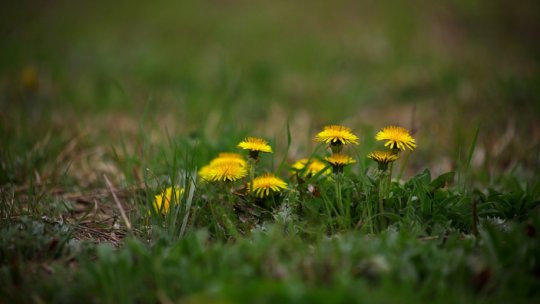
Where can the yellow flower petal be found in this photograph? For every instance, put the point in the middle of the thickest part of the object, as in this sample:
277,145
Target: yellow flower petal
338,159
310,167
163,200
382,157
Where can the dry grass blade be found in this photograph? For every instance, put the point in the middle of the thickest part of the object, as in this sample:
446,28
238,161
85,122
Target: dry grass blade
118,204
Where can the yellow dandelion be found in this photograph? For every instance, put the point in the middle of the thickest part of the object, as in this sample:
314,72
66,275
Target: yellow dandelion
228,158
337,135
383,158
338,161
163,200
397,138
309,167
266,184
226,172
255,145
223,168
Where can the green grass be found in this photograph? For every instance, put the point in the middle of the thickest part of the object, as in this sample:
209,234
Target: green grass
298,246
275,264
147,94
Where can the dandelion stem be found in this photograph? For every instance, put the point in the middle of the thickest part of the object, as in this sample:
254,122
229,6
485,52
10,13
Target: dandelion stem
339,199
389,179
382,194
216,221
370,217
252,162
228,209
329,211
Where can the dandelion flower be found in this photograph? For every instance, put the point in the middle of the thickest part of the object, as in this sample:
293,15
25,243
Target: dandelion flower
220,167
163,200
397,138
309,167
225,172
255,145
228,158
383,158
266,184
336,135
338,161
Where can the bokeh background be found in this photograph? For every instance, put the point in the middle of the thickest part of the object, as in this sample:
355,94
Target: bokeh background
92,75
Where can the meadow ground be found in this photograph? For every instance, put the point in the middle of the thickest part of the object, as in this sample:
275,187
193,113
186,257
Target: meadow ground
105,105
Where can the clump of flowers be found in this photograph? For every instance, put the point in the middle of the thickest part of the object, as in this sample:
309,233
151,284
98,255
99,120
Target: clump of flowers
267,184
337,137
255,145
228,167
309,167
162,201
397,138
383,158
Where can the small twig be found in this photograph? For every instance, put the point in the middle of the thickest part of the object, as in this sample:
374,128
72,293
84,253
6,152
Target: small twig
122,212
428,238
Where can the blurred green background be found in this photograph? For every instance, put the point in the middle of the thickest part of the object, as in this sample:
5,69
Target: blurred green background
99,70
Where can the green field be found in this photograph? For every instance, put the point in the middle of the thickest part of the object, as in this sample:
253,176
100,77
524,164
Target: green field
103,105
